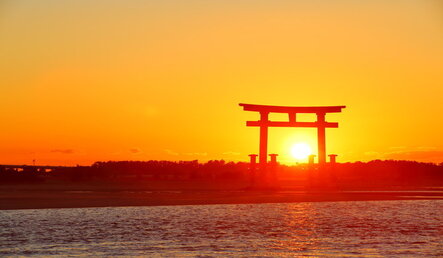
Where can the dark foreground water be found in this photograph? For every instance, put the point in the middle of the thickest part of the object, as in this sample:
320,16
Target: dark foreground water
367,228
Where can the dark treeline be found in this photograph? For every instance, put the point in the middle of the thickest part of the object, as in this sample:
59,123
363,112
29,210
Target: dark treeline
357,174
213,169
133,170
391,172
376,173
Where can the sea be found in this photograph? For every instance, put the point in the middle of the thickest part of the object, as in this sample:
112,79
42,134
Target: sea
406,228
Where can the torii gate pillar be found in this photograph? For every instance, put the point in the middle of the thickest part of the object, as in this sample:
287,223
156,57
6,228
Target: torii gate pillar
263,154
321,138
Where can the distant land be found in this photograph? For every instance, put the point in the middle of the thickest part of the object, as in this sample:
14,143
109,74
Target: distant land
234,175
140,183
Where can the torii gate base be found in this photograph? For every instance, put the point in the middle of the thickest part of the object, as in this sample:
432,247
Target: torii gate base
264,124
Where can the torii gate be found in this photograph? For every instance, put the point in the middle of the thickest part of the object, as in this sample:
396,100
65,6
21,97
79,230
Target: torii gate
264,123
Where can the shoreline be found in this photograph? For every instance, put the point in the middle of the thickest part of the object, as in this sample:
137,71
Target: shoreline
42,199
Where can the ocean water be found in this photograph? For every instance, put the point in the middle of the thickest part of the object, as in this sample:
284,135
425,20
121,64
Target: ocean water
352,229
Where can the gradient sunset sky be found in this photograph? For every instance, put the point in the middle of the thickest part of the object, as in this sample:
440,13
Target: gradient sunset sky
84,81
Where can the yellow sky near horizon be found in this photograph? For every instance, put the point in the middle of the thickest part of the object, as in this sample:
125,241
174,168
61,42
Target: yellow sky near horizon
84,81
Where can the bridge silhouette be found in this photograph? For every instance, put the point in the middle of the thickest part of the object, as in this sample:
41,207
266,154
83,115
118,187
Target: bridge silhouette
33,168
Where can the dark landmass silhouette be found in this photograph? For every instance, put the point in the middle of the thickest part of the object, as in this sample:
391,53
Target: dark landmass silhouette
377,173
142,183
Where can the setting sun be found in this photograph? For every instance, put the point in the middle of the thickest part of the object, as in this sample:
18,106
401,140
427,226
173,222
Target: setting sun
301,150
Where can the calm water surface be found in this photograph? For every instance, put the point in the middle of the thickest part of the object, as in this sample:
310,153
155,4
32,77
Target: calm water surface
374,228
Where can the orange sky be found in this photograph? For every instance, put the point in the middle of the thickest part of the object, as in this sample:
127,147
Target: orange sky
83,81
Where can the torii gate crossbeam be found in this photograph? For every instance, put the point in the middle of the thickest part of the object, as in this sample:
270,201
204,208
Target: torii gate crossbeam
264,124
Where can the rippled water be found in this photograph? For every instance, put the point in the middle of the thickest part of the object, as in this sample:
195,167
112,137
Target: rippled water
374,228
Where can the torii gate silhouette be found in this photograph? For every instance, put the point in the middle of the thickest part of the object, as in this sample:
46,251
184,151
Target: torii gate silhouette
264,123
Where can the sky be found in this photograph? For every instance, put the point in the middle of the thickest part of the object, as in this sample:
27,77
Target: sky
84,81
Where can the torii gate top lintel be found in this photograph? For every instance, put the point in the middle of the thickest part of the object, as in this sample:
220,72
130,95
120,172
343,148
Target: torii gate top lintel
286,109
264,123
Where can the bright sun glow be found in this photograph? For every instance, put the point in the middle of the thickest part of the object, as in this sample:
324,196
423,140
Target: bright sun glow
301,150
